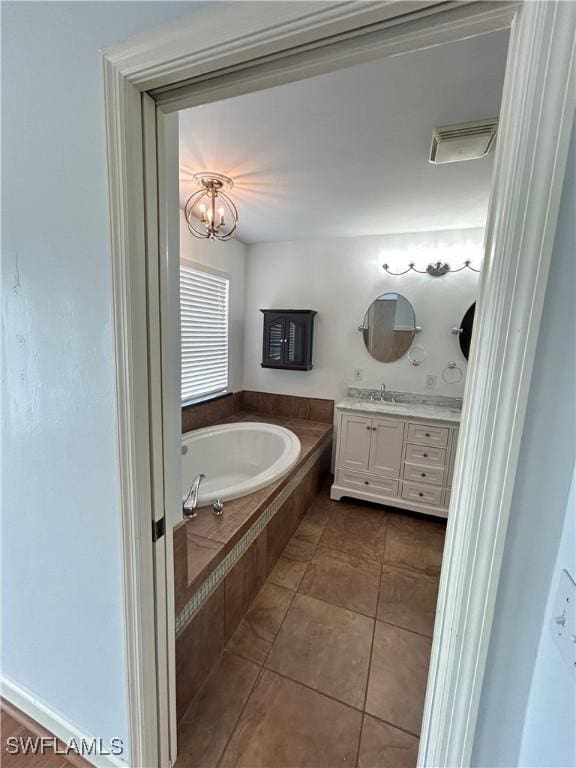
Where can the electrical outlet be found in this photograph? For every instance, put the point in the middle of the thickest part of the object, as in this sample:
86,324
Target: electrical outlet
430,381
563,620
358,374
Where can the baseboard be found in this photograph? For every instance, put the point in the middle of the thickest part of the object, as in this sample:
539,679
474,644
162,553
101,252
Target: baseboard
38,712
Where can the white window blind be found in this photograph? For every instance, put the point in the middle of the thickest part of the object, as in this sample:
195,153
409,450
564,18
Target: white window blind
204,329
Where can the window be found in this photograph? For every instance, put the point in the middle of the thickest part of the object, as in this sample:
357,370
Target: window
204,330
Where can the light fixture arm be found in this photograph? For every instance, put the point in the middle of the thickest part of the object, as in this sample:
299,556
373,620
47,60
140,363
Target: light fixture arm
437,269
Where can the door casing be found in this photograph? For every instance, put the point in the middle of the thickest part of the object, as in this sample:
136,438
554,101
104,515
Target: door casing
234,48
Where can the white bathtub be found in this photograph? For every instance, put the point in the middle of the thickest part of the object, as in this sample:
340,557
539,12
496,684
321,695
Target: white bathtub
237,458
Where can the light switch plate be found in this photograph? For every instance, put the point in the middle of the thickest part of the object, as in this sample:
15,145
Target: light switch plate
563,620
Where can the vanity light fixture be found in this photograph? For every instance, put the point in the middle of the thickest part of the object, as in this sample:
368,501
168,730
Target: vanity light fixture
209,212
437,269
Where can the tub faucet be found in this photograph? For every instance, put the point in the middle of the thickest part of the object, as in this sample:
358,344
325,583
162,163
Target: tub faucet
190,503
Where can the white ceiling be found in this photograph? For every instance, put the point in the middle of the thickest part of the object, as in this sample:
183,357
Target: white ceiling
346,154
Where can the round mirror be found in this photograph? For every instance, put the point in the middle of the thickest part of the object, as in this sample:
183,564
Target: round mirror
466,330
389,327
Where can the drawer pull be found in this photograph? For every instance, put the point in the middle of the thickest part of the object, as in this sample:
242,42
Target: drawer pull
368,427
422,474
420,494
425,455
366,482
427,434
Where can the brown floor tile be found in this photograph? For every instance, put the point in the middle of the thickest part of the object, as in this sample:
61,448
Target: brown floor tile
324,647
415,543
398,676
408,599
356,529
382,746
288,573
343,579
257,631
285,725
316,518
210,720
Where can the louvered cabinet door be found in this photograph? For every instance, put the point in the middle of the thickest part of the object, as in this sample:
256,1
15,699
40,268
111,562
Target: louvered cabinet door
274,335
296,341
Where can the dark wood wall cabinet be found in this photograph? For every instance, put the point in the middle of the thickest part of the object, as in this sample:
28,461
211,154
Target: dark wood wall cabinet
287,339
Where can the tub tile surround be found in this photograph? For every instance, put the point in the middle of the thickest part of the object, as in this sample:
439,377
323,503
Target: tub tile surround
210,412
221,563
290,406
348,678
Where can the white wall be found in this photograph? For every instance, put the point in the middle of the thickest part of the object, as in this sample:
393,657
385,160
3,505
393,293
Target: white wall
229,257
539,508
548,737
62,610
340,278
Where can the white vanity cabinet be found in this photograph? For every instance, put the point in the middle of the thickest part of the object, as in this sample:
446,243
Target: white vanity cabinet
398,460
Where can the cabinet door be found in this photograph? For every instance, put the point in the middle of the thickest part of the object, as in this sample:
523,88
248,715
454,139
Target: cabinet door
274,335
386,447
296,341
354,442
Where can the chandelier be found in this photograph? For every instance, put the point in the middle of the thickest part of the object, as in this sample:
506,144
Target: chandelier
209,212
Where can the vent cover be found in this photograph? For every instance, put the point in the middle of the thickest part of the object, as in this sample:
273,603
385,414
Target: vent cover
466,141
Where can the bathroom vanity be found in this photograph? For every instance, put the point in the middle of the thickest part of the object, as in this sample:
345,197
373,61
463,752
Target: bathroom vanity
397,451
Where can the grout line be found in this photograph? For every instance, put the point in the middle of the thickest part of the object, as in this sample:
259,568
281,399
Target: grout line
342,607
405,629
314,690
371,652
393,725
233,729
278,631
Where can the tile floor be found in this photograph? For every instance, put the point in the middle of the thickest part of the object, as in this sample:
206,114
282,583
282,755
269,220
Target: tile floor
329,665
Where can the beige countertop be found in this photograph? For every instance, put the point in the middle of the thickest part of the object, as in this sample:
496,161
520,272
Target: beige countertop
417,410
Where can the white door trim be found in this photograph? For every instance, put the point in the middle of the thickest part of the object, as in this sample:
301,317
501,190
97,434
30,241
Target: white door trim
530,161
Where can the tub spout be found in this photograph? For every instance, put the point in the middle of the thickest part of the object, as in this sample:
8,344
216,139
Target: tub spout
190,503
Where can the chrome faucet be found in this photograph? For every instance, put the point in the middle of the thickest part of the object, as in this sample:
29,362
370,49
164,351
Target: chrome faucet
382,391
190,503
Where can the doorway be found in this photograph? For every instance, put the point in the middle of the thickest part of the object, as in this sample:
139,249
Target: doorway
472,504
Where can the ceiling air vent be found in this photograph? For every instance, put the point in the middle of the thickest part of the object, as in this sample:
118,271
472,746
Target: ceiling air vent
466,141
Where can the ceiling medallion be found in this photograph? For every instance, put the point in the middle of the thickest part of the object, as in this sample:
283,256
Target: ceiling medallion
209,212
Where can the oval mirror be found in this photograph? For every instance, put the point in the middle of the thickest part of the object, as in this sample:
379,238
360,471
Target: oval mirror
389,327
466,330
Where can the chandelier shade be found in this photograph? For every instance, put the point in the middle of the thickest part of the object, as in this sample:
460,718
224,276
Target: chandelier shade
210,213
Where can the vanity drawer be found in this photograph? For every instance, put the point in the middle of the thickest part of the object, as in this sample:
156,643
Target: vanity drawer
422,454
422,494
367,483
426,435
420,473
